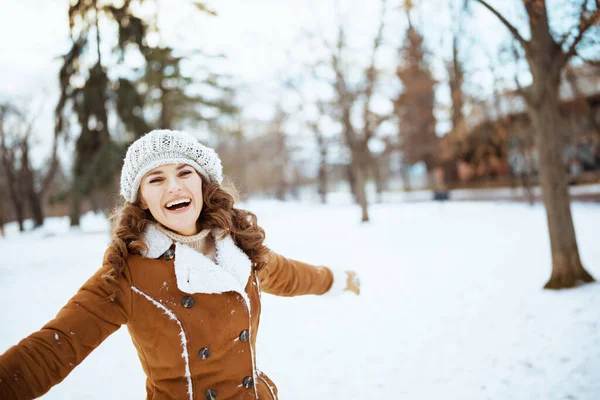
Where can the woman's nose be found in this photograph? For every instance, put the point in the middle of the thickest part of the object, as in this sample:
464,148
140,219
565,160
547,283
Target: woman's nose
174,185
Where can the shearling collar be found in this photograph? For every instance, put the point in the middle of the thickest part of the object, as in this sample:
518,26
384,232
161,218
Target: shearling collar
197,273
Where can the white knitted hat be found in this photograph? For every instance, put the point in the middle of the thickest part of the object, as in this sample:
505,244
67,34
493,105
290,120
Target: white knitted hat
161,147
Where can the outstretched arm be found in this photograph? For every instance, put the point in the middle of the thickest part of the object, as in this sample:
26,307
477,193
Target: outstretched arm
285,277
43,359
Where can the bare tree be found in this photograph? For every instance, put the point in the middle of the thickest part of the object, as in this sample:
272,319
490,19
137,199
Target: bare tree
2,211
323,149
314,124
547,56
345,101
9,164
281,157
456,82
23,181
347,98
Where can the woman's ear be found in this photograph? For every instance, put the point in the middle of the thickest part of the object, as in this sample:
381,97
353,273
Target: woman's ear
140,201
142,204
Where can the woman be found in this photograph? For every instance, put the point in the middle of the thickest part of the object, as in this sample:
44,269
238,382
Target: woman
184,272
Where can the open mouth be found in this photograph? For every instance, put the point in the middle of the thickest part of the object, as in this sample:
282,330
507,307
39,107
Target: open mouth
178,205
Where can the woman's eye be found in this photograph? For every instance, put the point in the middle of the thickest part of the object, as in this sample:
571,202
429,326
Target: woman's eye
185,173
155,180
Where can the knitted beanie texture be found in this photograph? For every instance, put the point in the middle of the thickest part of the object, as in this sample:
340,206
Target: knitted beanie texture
161,147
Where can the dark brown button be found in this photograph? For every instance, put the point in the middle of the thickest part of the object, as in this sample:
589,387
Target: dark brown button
210,394
204,353
169,254
187,302
248,382
244,336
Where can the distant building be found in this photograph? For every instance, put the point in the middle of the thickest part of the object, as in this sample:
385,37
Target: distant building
496,141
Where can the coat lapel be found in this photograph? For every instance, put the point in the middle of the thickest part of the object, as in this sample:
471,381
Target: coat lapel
197,273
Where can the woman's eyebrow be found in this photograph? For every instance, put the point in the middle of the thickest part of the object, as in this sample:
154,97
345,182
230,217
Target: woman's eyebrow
158,172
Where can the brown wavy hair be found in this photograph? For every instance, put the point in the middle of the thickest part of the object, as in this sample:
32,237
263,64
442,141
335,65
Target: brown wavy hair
129,221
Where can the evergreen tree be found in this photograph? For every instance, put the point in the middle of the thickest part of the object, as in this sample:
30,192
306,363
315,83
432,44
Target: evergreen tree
154,96
169,93
414,106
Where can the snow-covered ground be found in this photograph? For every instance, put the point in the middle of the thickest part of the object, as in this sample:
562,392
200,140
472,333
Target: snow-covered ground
451,305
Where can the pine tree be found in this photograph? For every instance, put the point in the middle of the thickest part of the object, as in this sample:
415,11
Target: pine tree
414,106
168,92
91,94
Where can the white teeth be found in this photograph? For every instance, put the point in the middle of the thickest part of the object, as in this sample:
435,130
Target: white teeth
175,202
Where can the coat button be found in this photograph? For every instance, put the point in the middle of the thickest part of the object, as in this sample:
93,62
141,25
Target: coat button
248,382
187,302
210,394
169,254
204,353
244,336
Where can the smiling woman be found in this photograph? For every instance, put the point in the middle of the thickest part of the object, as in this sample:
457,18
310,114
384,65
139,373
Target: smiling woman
173,194
184,272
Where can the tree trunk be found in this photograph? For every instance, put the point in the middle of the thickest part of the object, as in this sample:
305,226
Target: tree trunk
359,187
377,176
526,182
405,176
527,176
546,60
20,216
281,190
352,181
164,120
15,190
1,214
322,181
33,197
93,199
567,270
35,205
75,206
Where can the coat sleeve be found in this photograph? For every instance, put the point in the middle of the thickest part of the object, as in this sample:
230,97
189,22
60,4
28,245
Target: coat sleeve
285,277
44,358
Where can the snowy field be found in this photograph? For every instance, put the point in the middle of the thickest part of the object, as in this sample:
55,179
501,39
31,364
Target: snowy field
451,305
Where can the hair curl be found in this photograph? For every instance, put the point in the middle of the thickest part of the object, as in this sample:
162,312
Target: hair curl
129,222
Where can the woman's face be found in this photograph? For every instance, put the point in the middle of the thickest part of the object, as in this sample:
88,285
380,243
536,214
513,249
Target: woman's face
173,194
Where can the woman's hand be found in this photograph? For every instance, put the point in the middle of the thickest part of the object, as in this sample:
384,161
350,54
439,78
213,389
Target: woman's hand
353,283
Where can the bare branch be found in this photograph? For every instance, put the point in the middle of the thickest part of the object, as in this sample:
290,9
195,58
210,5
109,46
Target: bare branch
371,75
346,98
204,8
520,89
510,27
47,180
585,23
379,119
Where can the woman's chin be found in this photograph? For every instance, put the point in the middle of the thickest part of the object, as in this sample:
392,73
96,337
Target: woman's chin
182,227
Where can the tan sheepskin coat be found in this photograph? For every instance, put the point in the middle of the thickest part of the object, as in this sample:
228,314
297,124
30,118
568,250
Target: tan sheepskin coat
193,322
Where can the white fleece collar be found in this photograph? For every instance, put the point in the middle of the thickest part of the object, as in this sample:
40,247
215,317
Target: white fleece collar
197,273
